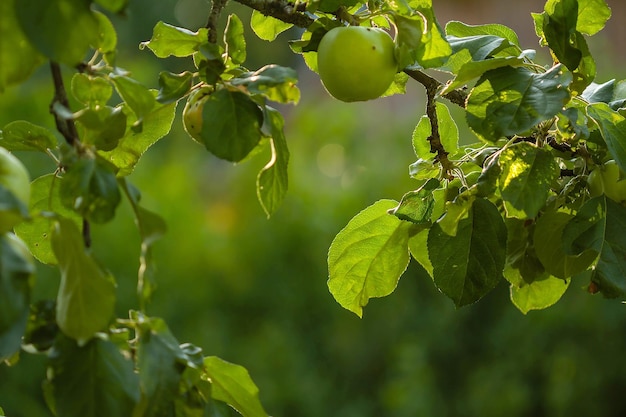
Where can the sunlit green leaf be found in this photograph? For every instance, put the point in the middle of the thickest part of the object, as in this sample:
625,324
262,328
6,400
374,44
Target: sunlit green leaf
91,91
469,264
172,40
368,256
44,197
592,16
541,292
232,384
86,299
94,380
460,29
16,270
62,30
448,132
525,179
18,58
138,97
273,81
267,27
507,101
417,206
21,135
418,42
132,146
234,39
231,125
272,180
107,36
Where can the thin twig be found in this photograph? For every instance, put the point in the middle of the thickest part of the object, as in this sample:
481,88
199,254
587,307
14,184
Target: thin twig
66,127
457,97
281,10
216,10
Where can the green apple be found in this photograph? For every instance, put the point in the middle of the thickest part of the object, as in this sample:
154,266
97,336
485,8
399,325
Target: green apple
606,180
356,63
14,190
192,113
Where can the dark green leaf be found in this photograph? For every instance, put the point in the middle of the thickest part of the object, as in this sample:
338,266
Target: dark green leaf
272,180
469,264
448,132
16,271
272,81
132,146
36,233
368,256
21,135
113,5
172,40
559,26
527,173
599,93
173,86
89,187
94,380
232,384
86,299
231,125
548,238
471,70
102,126
507,101
62,30
599,226
234,39
460,29
267,27
613,128
18,58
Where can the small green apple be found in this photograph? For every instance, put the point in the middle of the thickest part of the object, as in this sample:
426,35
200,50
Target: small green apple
605,180
356,63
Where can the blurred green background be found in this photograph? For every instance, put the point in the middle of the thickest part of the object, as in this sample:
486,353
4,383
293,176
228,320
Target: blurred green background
253,291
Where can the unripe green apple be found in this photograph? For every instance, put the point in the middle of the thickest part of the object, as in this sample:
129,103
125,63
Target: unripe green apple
192,113
356,63
15,179
605,180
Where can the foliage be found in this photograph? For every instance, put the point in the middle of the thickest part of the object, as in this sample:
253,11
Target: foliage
515,205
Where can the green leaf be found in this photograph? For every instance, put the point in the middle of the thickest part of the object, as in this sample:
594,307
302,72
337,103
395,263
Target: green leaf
89,187
139,98
272,180
232,384
159,363
548,238
86,299
267,27
102,126
480,47
599,93
132,146
173,87
469,264
418,247
18,58
16,283
21,135
599,225
417,206
526,175
114,6
592,16
559,25
231,125
368,256
272,81
234,39
507,101
448,132
151,228
62,30
94,380
91,91
168,40
460,29
471,70
612,125
44,197
419,42
107,36
541,292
